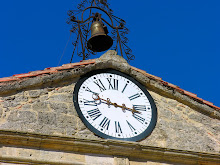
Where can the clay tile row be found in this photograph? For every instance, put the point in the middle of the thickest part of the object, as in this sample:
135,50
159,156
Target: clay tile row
46,71
192,95
5,79
92,61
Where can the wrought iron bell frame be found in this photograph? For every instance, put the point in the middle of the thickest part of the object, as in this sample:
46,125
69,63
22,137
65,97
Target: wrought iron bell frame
83,33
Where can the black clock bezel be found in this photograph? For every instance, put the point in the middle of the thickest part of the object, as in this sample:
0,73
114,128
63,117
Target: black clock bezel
139,137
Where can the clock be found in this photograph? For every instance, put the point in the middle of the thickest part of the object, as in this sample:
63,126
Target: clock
114,105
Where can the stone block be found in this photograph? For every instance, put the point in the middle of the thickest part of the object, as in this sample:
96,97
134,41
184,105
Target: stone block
43,98
1,112
48,118
172,103
66,121
48,129
8,98
141,162
22,116
21,98
216,129
99,160
200,118
38,92
40,106
13,101
65,89
71,109
59,107
67,98
10,104
121,161
165,112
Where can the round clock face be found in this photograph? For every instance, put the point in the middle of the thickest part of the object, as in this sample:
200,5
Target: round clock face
114,105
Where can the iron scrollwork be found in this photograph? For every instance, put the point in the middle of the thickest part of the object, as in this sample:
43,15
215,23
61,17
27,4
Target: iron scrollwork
81,28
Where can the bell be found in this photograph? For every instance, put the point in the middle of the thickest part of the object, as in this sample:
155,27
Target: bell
99,40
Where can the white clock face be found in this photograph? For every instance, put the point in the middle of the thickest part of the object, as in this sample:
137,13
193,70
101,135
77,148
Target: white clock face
113,105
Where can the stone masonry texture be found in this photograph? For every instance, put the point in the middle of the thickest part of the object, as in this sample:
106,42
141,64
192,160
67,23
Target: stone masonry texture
50,111
47,109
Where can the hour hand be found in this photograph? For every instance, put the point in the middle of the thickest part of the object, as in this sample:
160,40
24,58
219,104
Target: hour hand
97,99
135,111
108,102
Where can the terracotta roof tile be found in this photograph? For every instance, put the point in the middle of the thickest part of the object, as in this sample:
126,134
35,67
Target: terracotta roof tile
36,73
52,70
164,82
198,99
5,79
79,63
189,94
208,103
218,108
138,70
146,74
173,86
179,90
23,75
192,95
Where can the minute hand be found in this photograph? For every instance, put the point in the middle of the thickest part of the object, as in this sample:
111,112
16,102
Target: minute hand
123,107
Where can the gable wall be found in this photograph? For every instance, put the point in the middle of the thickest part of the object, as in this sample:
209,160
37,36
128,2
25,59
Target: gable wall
50,111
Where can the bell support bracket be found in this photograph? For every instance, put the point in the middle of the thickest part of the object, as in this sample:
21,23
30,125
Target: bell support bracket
94,24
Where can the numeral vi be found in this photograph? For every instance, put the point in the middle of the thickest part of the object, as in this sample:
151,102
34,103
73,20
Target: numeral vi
117,127
105,123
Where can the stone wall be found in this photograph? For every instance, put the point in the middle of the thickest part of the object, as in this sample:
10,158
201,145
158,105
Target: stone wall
39,124
50,111
33,156
180,127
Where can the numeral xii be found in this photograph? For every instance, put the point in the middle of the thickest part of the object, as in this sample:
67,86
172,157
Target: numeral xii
113,84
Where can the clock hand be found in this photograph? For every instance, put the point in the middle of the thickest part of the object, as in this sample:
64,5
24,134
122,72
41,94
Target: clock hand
108,102
123,107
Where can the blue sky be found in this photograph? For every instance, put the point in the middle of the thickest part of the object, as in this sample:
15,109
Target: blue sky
174,39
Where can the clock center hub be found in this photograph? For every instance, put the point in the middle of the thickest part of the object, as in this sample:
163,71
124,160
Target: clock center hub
116,101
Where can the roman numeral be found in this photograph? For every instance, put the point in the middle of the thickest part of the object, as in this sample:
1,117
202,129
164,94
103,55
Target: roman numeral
89,90
105,123
140,107
94,114
113,86
100,85
139,118
91,103
117,127
124,88
130,126
134,96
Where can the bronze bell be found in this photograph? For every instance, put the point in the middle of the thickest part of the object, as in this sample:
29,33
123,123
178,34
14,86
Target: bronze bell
99,40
